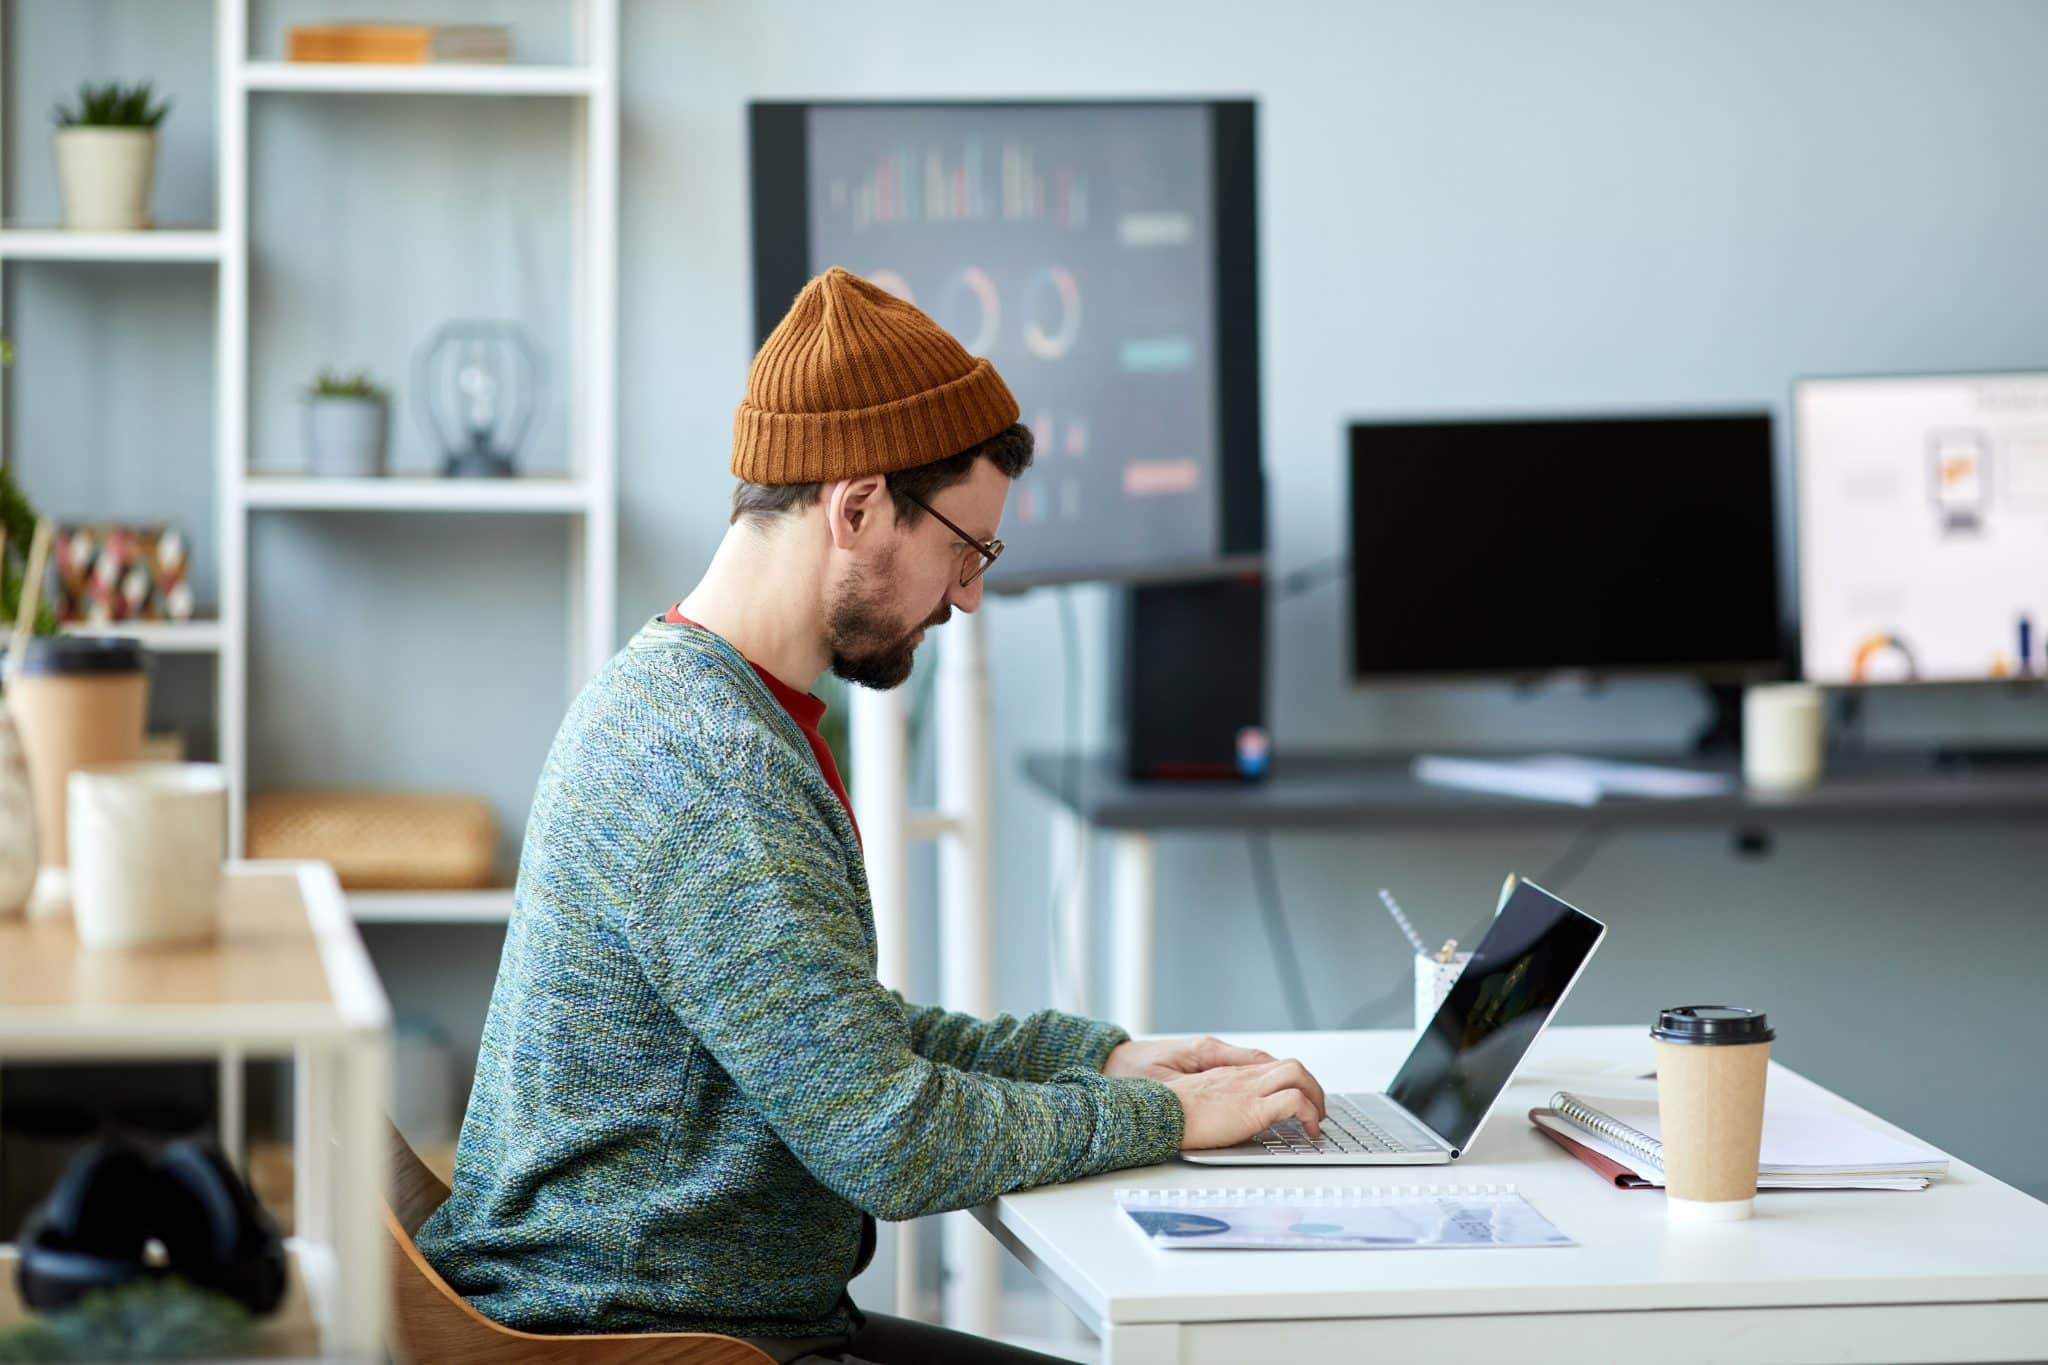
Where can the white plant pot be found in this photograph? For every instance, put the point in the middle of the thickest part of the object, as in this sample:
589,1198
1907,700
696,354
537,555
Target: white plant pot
345,436
105,175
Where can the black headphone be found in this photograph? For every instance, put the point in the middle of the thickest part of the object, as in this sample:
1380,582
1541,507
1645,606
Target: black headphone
93,1229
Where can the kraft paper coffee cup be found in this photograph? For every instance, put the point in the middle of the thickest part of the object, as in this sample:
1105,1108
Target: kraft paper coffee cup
77,700
1711,1063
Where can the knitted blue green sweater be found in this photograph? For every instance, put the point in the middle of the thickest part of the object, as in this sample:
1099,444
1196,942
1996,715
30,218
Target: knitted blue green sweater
691,1086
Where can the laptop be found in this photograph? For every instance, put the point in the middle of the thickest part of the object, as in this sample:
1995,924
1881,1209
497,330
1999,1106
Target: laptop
1461,1064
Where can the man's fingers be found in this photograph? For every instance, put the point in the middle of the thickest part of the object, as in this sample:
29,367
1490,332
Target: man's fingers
1213,1052
1291,1104
1292,1075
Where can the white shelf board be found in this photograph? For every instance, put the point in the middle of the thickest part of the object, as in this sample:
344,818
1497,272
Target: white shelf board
493,906
151,244
441,78
426,494
165,637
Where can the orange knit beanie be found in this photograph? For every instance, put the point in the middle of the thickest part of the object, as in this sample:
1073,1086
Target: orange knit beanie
855,381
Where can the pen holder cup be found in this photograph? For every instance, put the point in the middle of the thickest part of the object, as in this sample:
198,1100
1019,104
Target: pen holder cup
1433,982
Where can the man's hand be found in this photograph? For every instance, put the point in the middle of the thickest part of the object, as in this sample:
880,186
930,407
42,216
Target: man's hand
1167,1058
1225,1105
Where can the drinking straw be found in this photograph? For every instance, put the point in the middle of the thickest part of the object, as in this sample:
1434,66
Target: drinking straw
31,597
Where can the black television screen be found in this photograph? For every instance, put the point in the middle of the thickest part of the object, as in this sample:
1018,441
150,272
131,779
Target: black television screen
1102,255
1624,545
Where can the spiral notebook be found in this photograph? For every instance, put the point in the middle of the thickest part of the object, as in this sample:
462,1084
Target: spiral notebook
1803,1149
1342,1218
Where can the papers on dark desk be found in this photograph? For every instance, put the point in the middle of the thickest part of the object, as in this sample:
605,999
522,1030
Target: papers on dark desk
1569,779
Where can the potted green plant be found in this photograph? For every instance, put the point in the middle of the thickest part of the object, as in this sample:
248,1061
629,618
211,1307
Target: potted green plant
347,419
106,154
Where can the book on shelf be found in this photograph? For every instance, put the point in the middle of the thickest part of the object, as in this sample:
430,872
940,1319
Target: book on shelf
400,44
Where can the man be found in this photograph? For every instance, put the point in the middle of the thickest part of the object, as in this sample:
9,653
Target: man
693,1097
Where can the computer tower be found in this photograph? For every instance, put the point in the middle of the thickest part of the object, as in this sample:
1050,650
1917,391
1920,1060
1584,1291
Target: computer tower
1191,699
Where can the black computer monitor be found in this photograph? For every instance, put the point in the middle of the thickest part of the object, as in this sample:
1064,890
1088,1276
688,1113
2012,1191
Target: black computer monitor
1609,545
1923,528
1103,255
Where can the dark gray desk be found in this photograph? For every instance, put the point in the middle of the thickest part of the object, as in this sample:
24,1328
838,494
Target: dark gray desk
1349,791
1328,790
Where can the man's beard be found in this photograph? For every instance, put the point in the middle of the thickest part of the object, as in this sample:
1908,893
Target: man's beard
868,647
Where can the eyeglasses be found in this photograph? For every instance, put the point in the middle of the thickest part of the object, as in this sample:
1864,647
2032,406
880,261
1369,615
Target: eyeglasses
986,552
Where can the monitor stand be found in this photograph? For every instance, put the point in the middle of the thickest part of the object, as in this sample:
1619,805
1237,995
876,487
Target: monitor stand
1721,735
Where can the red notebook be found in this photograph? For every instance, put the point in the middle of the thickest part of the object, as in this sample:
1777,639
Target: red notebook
1620,1176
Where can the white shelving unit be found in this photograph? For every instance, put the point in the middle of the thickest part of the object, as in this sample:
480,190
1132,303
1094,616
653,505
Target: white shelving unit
431,907
586,497
368,78
164,637
418,495
189,246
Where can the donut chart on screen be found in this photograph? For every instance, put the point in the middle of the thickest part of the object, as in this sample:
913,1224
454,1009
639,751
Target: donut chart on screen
1885,657
1053,292
971,309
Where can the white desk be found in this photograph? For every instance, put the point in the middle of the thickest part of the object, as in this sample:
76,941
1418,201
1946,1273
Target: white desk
1956,1272
286,977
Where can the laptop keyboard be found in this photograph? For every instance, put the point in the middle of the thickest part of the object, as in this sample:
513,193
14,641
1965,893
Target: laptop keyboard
1345,1130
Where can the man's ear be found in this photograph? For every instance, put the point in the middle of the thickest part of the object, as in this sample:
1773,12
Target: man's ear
855,508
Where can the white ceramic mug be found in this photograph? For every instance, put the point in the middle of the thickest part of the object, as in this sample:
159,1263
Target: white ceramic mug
147,845
1781,736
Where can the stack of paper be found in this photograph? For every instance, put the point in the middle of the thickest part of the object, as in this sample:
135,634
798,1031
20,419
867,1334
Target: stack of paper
1803,1148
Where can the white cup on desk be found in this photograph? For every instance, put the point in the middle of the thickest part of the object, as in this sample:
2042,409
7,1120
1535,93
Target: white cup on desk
1782,727
147,843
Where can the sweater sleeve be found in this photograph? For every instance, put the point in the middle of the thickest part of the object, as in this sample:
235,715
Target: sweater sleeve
744,921
1034,1048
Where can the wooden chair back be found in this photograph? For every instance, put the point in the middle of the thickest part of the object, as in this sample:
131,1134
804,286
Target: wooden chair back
430,1322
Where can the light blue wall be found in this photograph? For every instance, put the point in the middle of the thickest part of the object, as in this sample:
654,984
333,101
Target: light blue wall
1463,207
1475,208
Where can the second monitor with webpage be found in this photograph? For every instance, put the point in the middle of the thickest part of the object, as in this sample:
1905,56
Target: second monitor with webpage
1923,528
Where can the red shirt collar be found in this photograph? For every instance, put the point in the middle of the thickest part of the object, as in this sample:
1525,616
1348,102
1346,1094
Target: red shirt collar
805,709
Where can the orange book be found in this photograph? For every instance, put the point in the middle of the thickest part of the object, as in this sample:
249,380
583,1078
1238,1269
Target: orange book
404,44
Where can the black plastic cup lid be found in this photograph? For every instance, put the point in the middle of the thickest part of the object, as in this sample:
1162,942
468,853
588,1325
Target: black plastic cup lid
73,654
1712,1024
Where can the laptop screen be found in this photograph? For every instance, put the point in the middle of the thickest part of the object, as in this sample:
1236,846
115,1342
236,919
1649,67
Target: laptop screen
1518,975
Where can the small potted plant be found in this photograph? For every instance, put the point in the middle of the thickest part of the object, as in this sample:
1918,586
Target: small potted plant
106,155
347,420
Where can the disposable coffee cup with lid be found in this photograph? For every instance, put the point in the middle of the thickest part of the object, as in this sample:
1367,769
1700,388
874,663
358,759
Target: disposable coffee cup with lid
1711,1024
76,701
1712,1061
